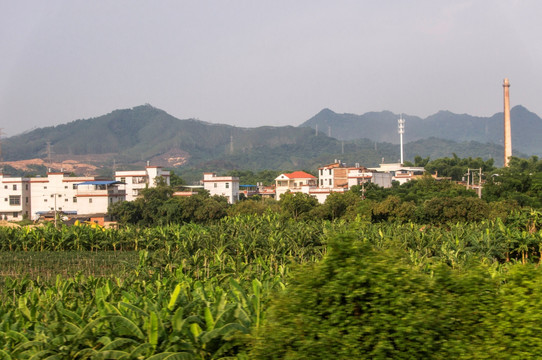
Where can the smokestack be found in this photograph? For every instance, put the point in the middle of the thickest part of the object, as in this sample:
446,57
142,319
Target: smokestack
507,128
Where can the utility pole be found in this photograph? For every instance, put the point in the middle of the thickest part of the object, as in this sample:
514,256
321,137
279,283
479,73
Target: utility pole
480,183
470,180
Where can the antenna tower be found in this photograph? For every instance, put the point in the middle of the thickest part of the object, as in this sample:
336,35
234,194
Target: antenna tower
401,123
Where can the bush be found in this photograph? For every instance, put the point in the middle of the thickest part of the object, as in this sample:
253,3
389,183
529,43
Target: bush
362,303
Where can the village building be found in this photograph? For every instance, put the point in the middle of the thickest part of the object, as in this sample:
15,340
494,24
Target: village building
400,173
297,181
95,196
56,192
14,198
334,175
136,180
227,186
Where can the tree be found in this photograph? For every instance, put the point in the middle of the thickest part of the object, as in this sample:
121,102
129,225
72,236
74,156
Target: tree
297,204
363,303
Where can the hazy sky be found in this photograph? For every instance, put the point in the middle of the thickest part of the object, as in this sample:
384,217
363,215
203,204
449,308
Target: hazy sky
252,63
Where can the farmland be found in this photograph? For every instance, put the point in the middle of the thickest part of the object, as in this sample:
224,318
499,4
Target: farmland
209,291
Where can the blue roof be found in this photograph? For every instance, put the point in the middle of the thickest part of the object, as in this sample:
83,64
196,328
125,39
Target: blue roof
108,182
248,185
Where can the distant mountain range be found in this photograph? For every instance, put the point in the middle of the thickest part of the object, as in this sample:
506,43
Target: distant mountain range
129,138
382,126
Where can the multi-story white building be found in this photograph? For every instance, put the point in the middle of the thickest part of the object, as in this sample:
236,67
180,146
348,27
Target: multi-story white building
297,181
56,192
14,198
227,186
336,175
94,197
137,180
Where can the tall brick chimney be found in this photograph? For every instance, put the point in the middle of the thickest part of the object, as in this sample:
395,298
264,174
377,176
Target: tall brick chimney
507,128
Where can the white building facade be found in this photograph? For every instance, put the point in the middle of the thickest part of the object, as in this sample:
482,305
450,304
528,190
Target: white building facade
297,181
137,180
14,198
95,197
401,173
56,192
227,186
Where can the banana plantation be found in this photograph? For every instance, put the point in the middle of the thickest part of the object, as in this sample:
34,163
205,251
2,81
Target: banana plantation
270,287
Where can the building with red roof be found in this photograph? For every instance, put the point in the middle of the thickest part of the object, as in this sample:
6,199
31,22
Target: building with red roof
297,181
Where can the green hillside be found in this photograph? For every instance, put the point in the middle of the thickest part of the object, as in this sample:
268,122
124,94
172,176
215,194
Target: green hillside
130,137
382,126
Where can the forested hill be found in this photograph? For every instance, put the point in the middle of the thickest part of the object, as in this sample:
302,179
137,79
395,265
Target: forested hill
382,126
144,133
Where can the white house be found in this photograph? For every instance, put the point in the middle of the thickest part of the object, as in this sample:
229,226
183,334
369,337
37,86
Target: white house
14,198
95,196
297,181
227,186
56,192
137,180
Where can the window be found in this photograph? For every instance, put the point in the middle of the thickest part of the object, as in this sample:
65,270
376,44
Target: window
26,200
123,179
14,200
139,180
15,214
66,200
227,185
90,200
65,186
321,171
330,181
45,187
5,186
111,200
44,200
216,185
14,187
321,182
329,171
5,199
26,186
74,199
74,186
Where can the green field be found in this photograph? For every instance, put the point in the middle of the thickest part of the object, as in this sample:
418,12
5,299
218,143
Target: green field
250,287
